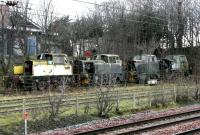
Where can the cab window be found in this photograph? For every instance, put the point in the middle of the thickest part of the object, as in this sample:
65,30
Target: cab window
153,59
112,59
104,58
48,57
117,58
95,57
45,57
59,60
38,57
183,59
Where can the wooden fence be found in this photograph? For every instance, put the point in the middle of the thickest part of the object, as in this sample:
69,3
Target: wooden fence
138,99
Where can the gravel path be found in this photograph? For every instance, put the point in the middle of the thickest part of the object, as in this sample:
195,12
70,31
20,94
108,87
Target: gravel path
127,119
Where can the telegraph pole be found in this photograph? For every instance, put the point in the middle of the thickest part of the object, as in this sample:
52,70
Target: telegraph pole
3,11
2,29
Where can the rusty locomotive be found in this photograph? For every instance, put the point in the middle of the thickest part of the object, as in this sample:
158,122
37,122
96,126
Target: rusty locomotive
100,69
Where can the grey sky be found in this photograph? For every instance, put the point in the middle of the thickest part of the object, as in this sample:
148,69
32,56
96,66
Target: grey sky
67,7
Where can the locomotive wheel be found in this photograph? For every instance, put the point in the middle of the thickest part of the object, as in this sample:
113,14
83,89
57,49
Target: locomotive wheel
41,85
113,79
64,82
28,83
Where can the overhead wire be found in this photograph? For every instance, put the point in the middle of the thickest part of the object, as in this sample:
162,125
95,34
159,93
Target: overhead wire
117,18
131,20
101,5
37,10
137,21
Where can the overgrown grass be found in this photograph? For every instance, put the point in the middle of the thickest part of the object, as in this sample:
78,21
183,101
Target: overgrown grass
10,119
39,120
43,124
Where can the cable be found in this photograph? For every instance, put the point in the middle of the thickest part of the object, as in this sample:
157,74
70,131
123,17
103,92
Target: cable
119,19
100,5
30,9
130,20
136,21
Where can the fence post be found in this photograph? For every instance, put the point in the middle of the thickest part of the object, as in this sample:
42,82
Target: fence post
77,105
125,79
163,96
118,100
87,107
133,101
138,99
188,94
149,98
174,93
197,92
25,119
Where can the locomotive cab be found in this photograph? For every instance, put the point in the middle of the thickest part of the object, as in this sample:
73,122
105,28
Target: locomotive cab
108,66
147,67
47,66
28,68
131,75
54,58
179,63
85,69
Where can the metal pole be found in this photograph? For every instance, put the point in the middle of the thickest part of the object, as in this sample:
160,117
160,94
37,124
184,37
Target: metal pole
2,32
25,130
25,119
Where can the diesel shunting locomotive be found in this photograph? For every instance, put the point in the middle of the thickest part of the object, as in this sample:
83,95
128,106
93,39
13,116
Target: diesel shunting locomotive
100,69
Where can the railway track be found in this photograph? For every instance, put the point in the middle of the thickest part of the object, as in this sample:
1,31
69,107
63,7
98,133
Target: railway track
190,132
149,124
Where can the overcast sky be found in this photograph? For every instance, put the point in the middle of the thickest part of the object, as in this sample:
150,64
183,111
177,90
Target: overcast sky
67,7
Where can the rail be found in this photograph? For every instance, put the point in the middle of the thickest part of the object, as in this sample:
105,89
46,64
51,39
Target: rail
148,124
190,132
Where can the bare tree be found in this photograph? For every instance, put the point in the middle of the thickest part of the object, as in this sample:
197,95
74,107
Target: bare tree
19,23
63,27
7,37
45,19
4,64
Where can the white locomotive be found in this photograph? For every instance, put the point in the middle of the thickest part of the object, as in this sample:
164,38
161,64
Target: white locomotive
47,67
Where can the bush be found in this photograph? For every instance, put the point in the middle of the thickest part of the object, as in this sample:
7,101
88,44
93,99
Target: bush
104,102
